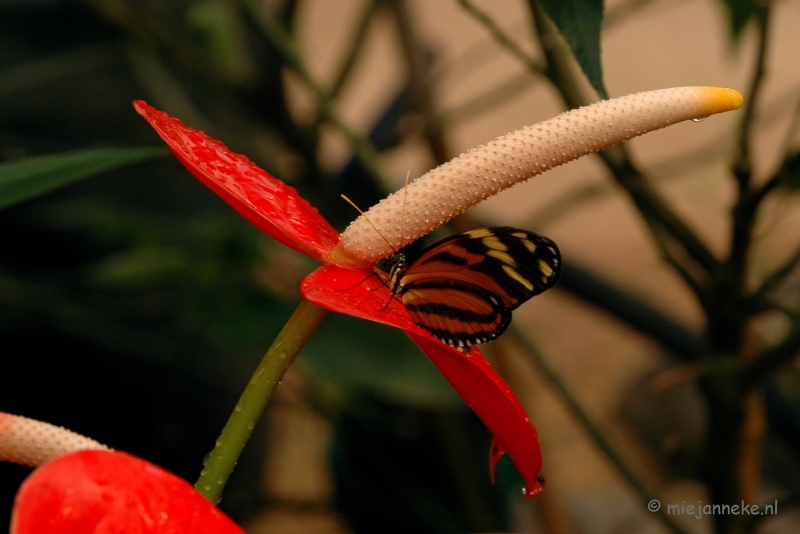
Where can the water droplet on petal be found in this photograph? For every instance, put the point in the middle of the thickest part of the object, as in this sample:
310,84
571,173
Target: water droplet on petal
699,119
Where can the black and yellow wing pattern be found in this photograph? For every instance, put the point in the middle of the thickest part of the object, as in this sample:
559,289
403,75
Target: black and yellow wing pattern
463,288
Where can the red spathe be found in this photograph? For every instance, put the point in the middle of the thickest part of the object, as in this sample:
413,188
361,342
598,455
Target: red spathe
106,492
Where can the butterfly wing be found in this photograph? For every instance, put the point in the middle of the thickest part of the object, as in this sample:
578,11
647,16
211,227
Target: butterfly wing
463,288
459,315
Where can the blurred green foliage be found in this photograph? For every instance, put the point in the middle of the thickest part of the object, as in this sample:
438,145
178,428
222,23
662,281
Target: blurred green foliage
134,303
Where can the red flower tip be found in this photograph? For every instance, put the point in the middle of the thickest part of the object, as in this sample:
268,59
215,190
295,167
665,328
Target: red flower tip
268,203
532,485
105,492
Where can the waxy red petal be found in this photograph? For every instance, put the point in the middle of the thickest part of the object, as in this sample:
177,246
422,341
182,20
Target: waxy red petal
361,294
104,492
356,292
270,204
494,403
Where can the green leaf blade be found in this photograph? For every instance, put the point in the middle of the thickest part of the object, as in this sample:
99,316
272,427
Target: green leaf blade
740,12
28,178
579,22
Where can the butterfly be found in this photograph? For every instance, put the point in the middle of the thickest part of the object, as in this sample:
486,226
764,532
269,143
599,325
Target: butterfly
463,288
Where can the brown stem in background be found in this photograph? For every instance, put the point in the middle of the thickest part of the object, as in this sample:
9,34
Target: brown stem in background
736,430
719,466
753,431
736,418
766,362
355,49
742,168
656,212
351,55
598,437
418,73
284,44
727,323
504,40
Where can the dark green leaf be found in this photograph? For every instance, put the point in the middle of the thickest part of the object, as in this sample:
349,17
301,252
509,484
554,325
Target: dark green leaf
740,11
27,178
354,354
579,21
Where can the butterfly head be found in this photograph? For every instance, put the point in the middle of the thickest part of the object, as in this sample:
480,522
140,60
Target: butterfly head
397,265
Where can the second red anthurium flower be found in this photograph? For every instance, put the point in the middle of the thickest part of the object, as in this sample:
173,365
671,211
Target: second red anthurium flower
343,284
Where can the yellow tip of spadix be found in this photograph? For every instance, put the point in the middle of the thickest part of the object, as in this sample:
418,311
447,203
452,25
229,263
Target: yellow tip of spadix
719,99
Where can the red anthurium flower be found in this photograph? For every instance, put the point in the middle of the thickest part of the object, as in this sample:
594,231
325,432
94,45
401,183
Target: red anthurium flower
343,284
106,492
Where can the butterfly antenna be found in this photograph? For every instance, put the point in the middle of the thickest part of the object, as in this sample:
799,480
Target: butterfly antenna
394,250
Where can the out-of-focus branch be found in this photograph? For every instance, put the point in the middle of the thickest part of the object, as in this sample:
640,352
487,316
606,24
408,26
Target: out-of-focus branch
350,57
487,101
692,274
283,43
789,167
774,280
503,39
562,75
355,48
767,362
662,220
732,281
150,29
419,82
742,168
597,435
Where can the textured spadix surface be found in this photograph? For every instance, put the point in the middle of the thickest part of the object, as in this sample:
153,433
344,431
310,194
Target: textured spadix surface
449,189
29,442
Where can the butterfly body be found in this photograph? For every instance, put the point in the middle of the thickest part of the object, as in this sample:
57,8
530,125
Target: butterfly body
463,288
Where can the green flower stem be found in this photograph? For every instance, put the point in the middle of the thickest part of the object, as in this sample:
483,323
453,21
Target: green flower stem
222,459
